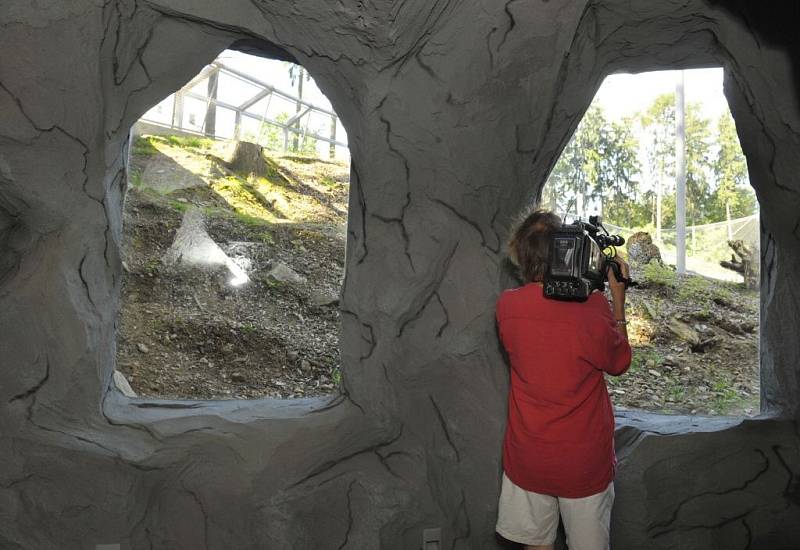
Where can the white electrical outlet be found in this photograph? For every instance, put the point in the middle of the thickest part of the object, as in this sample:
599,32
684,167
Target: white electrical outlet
432,539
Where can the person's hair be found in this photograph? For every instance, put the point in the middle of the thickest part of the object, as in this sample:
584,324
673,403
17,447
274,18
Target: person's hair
529,246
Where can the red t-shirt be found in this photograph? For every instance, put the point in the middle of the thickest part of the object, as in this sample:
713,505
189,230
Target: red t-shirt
560,435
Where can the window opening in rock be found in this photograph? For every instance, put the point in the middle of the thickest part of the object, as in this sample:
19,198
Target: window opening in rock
234,232
695,336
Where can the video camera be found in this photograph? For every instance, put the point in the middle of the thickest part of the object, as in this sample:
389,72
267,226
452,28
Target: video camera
578,262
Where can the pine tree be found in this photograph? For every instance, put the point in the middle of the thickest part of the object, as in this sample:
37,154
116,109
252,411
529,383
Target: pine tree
733,197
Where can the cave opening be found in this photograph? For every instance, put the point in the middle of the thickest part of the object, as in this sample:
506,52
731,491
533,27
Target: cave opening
234,236
695,333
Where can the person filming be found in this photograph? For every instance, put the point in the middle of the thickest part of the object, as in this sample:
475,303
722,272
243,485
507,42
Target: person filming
558,450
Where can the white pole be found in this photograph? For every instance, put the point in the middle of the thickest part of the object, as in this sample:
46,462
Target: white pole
680,174
658,210
728,217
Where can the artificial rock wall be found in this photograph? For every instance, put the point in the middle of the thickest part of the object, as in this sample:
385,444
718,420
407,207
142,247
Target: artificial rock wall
455,112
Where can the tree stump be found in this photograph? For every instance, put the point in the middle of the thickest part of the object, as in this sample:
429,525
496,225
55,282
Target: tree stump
248,158
744,262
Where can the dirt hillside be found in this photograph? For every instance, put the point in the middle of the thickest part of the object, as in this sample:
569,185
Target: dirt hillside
187,331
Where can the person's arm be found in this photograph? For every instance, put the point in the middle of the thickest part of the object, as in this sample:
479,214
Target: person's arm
617,289
606,344
618,358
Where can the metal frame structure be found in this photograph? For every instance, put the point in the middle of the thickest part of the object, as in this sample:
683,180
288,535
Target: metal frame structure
211,73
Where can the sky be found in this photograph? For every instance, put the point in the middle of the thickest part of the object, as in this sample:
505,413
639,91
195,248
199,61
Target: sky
273,72
624,94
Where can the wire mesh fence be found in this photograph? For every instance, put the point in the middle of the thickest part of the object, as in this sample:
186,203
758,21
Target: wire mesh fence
706,245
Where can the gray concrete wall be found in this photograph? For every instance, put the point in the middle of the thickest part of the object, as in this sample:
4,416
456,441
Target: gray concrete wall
455,112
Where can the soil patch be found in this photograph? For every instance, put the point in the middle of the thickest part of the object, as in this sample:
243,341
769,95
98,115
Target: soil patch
188,333
668,374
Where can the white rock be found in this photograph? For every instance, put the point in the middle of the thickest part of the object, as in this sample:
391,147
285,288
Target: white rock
285,274
323,298
193,246
122,384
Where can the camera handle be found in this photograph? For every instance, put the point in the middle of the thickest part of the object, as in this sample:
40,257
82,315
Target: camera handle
618,274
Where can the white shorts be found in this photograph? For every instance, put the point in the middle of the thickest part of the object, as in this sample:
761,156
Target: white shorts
532,519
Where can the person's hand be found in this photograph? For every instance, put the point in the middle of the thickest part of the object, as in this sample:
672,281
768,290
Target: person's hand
618,287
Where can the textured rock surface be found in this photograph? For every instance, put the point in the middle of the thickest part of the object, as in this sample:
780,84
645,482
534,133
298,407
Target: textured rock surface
455,112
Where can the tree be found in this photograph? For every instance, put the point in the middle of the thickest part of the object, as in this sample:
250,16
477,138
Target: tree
298,74
733,196
658,130
601,167
566,180
620,170
658,123
598,165
699,166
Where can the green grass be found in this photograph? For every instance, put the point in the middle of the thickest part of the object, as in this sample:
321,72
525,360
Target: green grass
265,237
692,288
190,141
179,206
643,356
274,172
328,181
336,376
676,392
725,396
703,291
136,179
145,144
153,265
245,200
660,274
252,221
703,314
143,147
